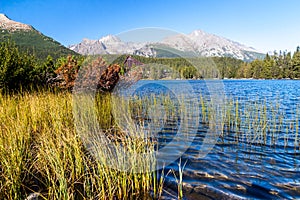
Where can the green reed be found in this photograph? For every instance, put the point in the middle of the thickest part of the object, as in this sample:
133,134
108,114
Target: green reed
42,152
254,122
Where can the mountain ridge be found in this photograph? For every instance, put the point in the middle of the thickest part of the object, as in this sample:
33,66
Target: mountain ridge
30,40
10,25
199,42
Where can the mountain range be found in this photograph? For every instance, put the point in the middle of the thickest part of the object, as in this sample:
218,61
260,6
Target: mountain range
197,43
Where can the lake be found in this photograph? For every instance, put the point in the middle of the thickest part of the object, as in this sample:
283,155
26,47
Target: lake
257,158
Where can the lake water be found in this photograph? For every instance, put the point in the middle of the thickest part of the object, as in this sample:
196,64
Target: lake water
254,168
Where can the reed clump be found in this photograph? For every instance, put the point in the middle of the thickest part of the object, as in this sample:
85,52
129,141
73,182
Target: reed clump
253,121
42,152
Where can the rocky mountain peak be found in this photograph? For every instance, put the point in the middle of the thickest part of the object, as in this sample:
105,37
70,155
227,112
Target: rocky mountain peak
198,41
10,25
110,39
88,41
197,33
3,17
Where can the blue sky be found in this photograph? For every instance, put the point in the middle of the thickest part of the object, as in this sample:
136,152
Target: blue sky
266,25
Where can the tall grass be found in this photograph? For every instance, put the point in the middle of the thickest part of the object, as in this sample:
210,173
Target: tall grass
41,152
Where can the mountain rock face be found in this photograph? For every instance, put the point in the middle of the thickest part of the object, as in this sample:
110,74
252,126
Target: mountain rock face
109,45
198,42
206,44
10,25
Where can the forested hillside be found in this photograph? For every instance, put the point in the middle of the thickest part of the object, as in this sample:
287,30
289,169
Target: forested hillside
34,42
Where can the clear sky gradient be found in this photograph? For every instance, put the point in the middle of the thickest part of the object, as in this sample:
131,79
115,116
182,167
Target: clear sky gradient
266,25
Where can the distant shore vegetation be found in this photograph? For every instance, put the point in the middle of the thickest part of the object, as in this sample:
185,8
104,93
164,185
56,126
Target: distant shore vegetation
22,70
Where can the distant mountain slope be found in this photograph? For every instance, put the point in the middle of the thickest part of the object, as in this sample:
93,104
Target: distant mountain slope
199,42
206,44
30,40
109,45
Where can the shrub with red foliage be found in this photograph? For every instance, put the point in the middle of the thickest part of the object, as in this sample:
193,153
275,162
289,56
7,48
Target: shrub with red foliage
67,74
109,78
94,75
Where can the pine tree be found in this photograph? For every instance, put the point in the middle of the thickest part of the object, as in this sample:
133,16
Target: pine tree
16,69
295,67
286,64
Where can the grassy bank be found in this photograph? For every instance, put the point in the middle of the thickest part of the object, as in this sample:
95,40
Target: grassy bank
41,152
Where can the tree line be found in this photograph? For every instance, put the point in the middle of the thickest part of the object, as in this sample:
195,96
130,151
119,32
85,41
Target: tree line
21,70
282,65
187,68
